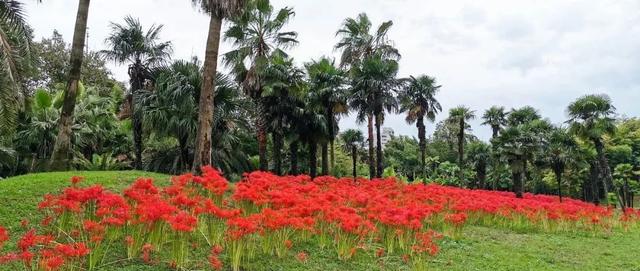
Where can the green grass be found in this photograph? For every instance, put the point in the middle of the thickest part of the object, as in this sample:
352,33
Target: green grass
479,248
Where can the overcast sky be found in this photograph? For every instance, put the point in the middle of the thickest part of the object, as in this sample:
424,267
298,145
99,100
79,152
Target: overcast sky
511,53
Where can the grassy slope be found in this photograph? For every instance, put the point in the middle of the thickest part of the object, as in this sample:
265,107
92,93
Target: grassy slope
480,248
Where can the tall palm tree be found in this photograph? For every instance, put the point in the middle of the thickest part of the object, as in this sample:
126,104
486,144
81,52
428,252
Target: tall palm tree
15,56
218,10
512,143
282,92
352,139
591,117
375,79
143,50
357,43
62,150
418,99
461,115
255,35
496,117
479,155
560,150
327,90
522,115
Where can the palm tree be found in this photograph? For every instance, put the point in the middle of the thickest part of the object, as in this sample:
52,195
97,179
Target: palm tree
590,118
522,115
143,50
15,55
496,117
256,34
479,155
375,79
310,126
327,90
461,115
282,92
512,143
352,139
62,150
357,43
560,150
418,99
218,10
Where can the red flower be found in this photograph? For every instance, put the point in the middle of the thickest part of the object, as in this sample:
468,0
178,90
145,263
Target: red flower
4,236
183,222
302,257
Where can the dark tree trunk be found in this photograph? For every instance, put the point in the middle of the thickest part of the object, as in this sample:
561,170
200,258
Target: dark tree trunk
422,137
202,155
372,160
517,184
313,159
461,150
293,148
593,178
184,153
496,131
558,173
481,172
60,158
325,159
137,82
379,162
261,127
277,153
605,171
354,159
332,132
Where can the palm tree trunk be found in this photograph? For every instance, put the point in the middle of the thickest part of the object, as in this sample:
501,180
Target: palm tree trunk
207,93
604,168
277,153
325,159
593,178
379,161
354,159
423,146
461,150
136,116
184,153
482,175
62,150
372,167
517,184
313,159
496,131
293,148
331,126
332,155
261,127
559,180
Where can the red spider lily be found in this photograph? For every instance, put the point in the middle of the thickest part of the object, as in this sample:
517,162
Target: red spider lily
4,236
215,262
72,250
457,219
183,222
302,257
75,180
146,253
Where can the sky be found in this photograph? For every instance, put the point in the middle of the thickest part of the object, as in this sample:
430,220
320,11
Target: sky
483,53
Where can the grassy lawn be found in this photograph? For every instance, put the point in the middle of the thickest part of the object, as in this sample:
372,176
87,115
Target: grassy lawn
479,248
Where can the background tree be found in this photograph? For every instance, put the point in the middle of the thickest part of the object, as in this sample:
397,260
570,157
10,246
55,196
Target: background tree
327,89
352,139
419,101
461,115
357,43
255,35
496,118
560,151
376,78
479,154
218,10
143,50
62,149
590,118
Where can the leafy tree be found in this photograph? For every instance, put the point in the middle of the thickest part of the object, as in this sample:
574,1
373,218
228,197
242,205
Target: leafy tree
479,154
15,59
352,139
142,50
218,10
357,43
256,34
496,118
560,150
626,182
461,115
376,79
419,101
62,149
327,89
522,115
402,154
590,118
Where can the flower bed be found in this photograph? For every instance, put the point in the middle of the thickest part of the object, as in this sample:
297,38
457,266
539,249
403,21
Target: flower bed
265,215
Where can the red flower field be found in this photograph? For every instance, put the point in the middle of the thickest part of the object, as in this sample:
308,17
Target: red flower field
266,215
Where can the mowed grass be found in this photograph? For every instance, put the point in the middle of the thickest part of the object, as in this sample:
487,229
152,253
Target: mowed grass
479,248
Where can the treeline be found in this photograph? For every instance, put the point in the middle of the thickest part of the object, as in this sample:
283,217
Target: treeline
63,110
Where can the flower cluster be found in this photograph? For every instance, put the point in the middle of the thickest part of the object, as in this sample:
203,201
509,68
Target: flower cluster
268,215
